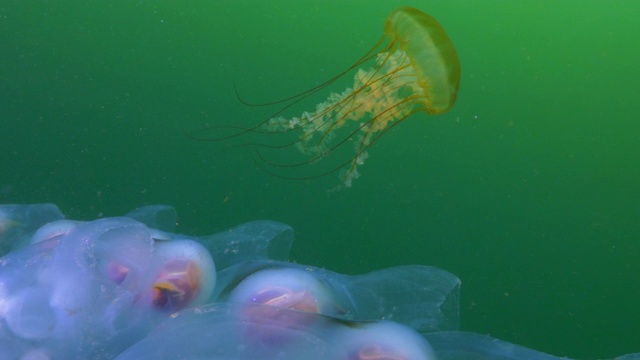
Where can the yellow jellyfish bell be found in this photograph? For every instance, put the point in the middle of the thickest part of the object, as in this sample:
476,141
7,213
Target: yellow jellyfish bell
414,68
431,54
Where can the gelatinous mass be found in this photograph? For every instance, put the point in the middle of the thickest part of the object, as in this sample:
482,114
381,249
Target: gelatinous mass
130,288
413,68
117,288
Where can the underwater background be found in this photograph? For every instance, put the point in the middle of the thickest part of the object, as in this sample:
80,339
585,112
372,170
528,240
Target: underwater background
527,189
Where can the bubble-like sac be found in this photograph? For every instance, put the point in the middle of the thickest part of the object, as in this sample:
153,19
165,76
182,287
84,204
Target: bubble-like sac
18,223
84,293
289,288
88,290
422,297
115,288
382,340
184,276
213,331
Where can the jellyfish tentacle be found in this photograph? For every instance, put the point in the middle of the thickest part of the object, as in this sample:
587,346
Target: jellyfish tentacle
380,115
328,151
291,101
346,182
365,58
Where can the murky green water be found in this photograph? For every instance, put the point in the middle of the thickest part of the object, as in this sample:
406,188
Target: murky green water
527,190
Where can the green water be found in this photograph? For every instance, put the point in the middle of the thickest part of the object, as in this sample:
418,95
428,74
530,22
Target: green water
527,190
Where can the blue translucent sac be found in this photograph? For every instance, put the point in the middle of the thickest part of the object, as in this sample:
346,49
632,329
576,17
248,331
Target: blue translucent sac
184,275
422,297
460,345
83,293
381,340
96,287
262,239
249,331
52,230
19,222
159,217
131,288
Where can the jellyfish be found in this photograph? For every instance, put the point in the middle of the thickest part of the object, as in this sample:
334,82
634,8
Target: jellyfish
413,68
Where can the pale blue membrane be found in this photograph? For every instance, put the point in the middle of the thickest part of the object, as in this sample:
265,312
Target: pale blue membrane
424,298
634,356
19,222
460,345
91,289
250,331
85,293
74,290
262,239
